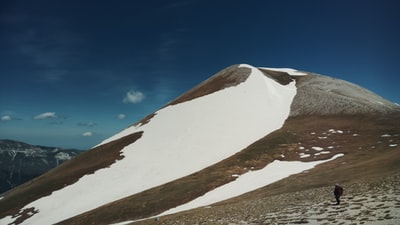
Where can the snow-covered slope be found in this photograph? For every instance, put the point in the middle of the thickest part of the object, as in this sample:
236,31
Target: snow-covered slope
250,181
179,140
234,125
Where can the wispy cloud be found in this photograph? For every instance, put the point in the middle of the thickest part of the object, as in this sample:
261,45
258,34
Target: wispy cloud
121,116
58,122
87,124
52,75
88,134
46,115
45,41
133,96
6,118
171,43
168,43
46,49
167,88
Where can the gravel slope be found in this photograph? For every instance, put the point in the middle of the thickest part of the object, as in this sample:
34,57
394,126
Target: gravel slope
366,202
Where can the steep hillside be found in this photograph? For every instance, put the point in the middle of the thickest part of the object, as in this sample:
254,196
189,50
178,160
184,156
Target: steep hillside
369,173
370,147
234,126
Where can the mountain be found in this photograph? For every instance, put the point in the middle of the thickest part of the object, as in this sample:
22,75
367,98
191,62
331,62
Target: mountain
21,162
242,135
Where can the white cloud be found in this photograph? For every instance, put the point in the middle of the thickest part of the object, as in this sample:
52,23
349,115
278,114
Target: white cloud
133,96
9,116
46,115
121,116
87,134
6,118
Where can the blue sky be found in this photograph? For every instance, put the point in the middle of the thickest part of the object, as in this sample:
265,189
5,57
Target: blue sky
76,72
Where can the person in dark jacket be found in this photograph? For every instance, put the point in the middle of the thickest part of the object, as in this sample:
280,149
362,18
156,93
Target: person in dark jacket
338,191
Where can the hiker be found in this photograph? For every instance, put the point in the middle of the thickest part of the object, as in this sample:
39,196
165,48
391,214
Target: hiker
338,192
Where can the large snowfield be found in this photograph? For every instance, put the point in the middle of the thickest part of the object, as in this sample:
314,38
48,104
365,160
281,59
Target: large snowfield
180,140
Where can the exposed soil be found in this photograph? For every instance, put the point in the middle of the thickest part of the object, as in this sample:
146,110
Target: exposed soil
228,77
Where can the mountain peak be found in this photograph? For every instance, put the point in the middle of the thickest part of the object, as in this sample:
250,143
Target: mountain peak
240,120
234,75
316,94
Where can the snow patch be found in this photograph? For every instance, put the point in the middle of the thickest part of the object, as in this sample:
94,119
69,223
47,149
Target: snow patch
317,148
250,181
322,152
246,66
63,156
303,155
393,145
333,131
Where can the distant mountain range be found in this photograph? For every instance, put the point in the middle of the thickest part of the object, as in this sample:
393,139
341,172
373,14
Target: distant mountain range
21,162
245,134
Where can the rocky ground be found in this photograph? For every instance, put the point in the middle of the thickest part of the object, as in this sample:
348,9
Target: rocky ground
364,202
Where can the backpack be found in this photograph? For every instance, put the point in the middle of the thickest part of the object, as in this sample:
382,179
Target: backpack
338,190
